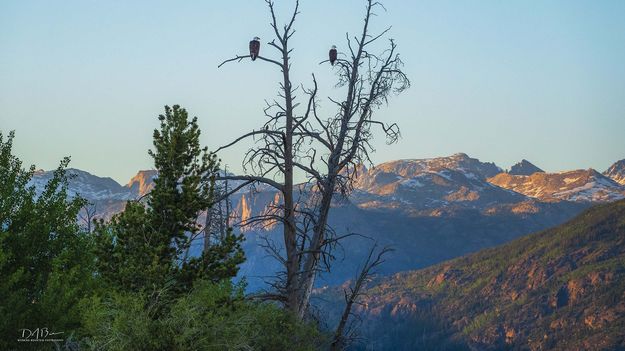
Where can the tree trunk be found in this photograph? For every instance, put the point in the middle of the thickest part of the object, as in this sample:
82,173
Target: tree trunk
312,259
290,230
309,271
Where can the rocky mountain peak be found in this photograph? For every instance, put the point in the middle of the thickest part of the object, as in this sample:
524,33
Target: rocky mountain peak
426,184
456,162
142,183
524,167
578,185
460,155
617,172
85,184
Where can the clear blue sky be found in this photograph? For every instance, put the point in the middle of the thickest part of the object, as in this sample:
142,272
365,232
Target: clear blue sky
499,80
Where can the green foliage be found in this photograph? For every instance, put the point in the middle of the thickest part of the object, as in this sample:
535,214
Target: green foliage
185,175
142,248
507,297
131,285
479,322
212,316
45,266
152,295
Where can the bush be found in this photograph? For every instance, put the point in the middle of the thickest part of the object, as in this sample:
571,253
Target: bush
212,316
45,265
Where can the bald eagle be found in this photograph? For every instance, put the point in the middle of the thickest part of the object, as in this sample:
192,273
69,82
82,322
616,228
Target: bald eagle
254,48
332,54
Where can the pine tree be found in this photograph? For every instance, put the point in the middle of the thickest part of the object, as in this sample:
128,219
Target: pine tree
154,296
143,248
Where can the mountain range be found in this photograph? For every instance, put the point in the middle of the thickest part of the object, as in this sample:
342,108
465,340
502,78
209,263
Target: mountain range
558,289
94,188
430,210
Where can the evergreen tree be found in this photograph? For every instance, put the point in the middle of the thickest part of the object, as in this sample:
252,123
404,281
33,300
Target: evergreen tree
156,298
143,248
138,291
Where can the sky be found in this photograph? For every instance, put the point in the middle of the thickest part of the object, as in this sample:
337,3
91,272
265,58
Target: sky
498,80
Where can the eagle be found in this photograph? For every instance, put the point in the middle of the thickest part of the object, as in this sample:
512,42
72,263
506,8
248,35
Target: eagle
332,54
254,48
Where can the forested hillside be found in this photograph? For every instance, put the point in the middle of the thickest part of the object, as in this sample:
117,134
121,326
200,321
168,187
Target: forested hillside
561,289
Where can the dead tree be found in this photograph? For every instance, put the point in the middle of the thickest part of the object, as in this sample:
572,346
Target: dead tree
369,79
275,153
343,336
328,150
216,219
217,216
87,214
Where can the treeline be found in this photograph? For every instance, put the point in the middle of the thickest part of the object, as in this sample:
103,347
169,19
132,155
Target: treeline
129,283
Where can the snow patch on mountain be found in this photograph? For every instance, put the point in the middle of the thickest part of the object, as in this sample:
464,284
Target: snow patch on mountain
592,191
579,186
411,183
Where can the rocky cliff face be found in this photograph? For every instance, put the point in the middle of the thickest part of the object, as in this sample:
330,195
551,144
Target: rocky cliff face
525,168
617,172
142,183
561,289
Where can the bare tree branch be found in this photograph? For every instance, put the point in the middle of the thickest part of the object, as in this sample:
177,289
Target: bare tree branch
247,135
327,150
238,58
267,181
341,339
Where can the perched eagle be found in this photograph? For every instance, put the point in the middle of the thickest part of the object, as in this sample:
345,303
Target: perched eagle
332,55
254,48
